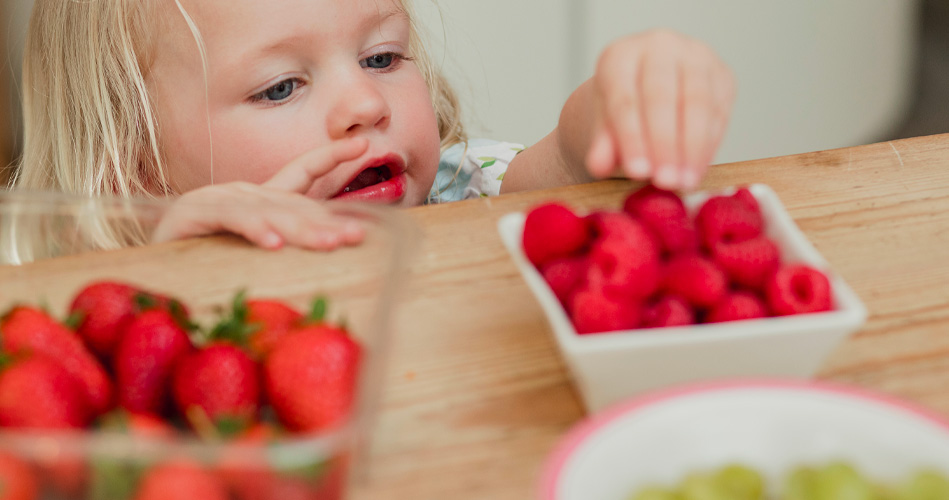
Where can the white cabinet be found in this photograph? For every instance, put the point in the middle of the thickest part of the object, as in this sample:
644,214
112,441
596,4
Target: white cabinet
812,74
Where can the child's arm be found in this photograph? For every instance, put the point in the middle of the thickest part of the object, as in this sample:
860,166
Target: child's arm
271,214
656,108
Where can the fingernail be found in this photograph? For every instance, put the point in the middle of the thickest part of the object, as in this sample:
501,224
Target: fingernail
272,240
667,177
638,168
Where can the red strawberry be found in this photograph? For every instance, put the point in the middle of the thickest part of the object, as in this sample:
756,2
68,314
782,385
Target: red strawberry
552,230
669,310
138,424
797,289
105,308
696,279
665,215
564,275
748,263
145,358
726,219
257,324
17,480
595,311
26,329
36,392
737,306
181,480
624,258
222,381
311,377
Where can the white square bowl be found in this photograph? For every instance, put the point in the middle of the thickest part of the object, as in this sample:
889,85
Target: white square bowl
610,367
772,426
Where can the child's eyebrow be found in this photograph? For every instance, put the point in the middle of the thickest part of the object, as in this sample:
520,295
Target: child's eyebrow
293,41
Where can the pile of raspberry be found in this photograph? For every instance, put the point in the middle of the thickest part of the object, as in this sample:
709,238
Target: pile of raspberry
653,265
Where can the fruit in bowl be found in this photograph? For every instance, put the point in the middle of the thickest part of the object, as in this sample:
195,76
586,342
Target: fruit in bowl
652,264
131,365
714,284
765,439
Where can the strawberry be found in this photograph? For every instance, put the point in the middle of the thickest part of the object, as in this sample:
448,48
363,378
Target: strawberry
564,275
624,256
596,310
552,230
17,480
737,306
668,310
696,279
36,392
744,195
153,344
311,377
26,329
665,215
257,324
181,480
748,263
727,219
218,384
104,309
137,424
798,289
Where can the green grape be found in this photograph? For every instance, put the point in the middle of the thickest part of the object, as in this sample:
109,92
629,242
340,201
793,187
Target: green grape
702,487
740,483
801,484
840,481
654,493
925,485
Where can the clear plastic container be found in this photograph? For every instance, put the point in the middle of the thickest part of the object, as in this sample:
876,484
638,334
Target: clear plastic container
361,284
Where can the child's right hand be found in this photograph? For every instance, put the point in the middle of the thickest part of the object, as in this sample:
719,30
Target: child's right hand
271,214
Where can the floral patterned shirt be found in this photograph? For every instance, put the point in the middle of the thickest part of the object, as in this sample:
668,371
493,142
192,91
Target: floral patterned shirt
472,170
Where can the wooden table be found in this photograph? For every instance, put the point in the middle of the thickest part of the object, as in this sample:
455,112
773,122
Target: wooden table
476,393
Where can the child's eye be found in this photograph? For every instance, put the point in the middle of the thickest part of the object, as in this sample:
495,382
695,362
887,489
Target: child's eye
279,92
385,60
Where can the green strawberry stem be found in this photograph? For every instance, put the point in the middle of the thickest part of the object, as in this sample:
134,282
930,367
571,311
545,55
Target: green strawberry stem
74,320
233,326
317,311
222,427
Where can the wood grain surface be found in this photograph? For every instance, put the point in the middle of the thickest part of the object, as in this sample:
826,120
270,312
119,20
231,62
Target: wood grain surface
476,394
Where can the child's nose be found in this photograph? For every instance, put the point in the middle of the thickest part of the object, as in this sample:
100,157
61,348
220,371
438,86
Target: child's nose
360,105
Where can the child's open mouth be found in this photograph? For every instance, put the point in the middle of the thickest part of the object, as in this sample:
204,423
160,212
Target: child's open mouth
382,180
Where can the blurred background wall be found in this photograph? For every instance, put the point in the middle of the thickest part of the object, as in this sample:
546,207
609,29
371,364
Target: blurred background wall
811,75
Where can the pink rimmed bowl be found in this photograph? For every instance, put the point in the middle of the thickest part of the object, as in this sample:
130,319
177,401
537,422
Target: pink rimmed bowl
772,426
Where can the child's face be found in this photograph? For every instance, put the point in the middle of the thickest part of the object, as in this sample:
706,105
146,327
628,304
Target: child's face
285,77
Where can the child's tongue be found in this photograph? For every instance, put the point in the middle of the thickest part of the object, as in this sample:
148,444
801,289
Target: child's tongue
366,178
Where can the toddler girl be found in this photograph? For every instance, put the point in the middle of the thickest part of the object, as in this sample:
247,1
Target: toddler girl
255,102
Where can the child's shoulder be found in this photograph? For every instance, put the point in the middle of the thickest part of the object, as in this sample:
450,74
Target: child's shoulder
472,169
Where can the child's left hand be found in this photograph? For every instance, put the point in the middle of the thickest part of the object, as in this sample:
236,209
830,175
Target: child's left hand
662,106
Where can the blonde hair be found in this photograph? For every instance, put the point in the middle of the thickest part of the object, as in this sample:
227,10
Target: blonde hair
89,124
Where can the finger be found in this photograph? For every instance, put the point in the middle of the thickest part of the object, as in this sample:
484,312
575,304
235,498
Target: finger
661,112
309,224
298,175
601,159
696,122
620,84
723,98
182,221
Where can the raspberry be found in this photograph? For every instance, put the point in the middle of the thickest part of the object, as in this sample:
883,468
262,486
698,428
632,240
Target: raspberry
798,289
724,219
594,310
748,263
564,275
696,279
552,230
743,195
669,310
624,257
737,306
665,215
